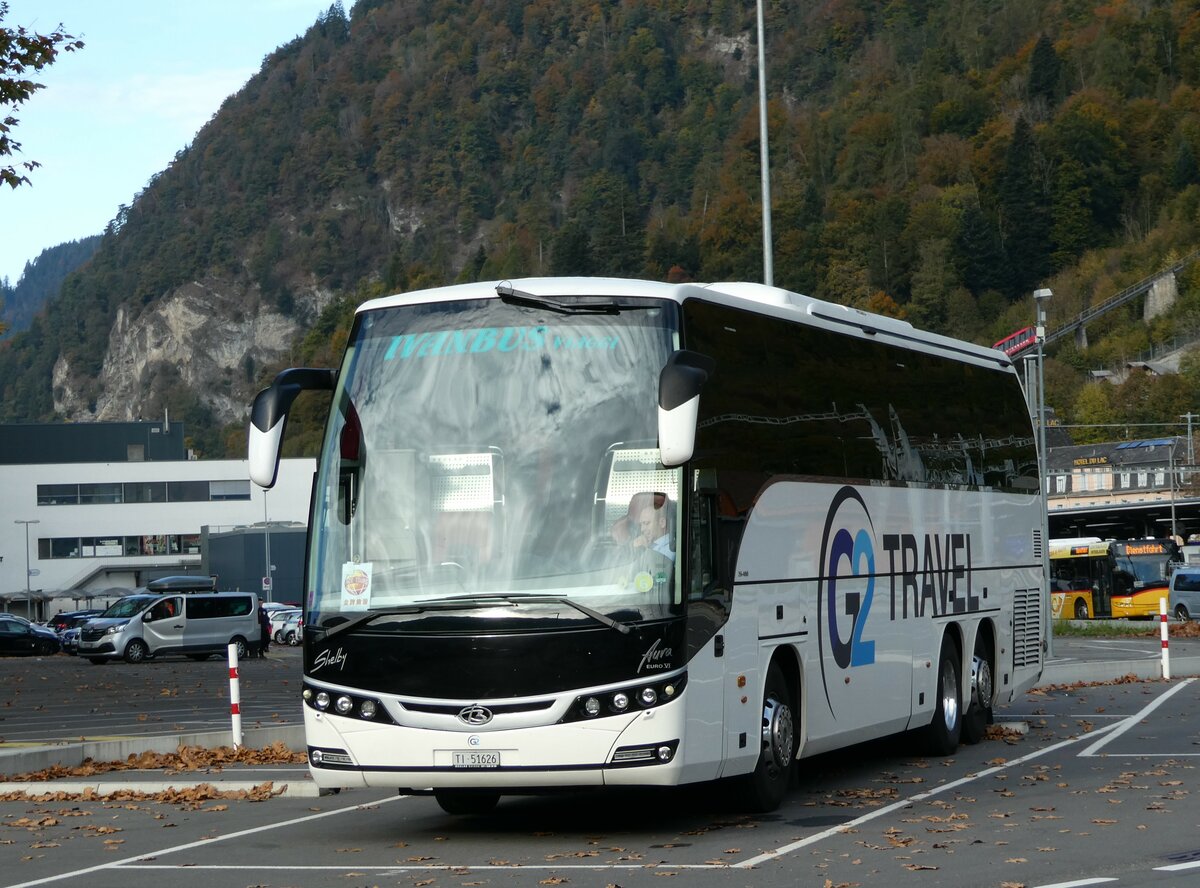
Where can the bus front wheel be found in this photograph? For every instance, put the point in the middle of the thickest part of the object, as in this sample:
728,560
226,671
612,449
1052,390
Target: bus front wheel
943,733
1081,609
765,788
466,801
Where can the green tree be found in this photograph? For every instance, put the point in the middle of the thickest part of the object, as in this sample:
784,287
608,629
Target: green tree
1045,70
23,52
1023,211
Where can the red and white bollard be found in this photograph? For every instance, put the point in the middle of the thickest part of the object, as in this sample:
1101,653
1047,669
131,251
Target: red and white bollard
235,698
1166,655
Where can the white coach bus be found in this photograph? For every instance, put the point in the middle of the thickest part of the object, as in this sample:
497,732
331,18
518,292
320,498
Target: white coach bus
595,532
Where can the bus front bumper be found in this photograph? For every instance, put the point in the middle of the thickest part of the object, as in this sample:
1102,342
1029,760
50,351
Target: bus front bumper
638,749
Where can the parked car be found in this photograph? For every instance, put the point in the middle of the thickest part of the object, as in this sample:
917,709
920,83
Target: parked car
64,619
1185,593
22,638
279,617
292,630
60,623
69,639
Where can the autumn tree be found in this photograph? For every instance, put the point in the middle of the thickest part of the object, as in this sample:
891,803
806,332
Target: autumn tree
23,52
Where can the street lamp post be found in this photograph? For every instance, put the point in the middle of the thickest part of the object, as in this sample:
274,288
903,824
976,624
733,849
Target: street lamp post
28,591
764,154
1040,298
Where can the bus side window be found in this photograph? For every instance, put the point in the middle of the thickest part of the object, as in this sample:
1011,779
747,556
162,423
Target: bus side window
701,533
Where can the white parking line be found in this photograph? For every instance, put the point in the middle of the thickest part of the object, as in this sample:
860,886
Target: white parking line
1132,720
1079,883
904,803
115,864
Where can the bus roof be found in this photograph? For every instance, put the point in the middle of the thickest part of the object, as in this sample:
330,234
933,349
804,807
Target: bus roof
759,298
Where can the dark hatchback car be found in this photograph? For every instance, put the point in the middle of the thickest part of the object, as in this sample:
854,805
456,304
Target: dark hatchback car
22,639
67,619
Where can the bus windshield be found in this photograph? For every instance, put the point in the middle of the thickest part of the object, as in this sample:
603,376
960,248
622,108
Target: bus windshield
480,451
1143,563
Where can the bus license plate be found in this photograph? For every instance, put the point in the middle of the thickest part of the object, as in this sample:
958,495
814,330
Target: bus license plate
477,758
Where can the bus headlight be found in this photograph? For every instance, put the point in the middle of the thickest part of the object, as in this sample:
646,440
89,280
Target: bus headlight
322,701
620,701
591,706
344,705
367,710
648,696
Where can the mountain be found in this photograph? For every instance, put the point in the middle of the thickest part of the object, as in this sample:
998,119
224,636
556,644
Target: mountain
41,281
936,158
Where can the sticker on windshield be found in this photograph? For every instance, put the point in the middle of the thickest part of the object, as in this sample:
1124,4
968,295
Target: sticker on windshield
356,586
643,582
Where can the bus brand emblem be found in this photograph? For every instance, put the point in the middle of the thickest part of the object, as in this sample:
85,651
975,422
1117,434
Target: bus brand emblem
475,715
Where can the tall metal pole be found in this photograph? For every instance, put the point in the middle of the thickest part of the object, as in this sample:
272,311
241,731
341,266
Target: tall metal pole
768,258
28,591
1039,298
270,579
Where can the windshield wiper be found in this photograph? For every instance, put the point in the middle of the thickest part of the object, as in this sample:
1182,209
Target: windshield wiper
512,598
508,294
457,601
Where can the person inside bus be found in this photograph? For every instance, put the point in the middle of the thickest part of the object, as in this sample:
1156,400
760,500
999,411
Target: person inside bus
625,529
654,529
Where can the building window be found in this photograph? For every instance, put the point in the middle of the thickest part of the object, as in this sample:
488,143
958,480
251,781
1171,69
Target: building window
1060,482
58,494
229,490
1142,478
100,547
99,493
187,491
1125,480
1160,478
146,492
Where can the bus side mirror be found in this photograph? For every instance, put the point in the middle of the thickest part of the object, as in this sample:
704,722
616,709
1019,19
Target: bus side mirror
679,387
268,417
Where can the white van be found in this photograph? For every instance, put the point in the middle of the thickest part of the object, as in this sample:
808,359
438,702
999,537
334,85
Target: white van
151,624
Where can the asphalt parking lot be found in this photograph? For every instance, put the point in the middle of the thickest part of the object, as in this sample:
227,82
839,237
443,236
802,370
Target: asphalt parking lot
1098,789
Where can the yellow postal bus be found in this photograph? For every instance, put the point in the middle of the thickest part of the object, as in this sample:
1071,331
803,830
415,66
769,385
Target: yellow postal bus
1109,578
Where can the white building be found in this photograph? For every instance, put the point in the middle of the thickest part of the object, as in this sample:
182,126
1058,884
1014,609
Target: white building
88,532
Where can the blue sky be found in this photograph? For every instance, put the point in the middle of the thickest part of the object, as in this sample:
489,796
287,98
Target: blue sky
116,112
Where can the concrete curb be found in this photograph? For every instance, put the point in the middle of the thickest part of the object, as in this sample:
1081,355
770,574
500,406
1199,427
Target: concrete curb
301,789
1072,671
25,760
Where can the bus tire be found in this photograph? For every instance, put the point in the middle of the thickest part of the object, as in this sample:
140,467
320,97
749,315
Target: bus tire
1081,609
979,716
943,733
765,788
467,801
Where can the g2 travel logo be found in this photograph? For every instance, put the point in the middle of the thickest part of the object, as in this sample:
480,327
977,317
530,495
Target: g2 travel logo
845,585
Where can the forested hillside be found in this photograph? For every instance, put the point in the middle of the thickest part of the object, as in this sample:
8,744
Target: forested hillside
938,159
40,281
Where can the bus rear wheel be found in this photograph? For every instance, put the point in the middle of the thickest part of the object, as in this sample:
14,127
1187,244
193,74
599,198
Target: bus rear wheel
943,733
467,801
765,788
979,716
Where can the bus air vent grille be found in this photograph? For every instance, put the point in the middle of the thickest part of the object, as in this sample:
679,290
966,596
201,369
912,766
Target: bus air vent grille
1037,545
1027,627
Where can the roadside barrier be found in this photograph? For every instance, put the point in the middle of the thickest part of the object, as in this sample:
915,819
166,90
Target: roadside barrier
235,697
1166,653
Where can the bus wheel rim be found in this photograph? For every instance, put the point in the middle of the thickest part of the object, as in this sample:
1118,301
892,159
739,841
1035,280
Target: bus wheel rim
949,699
778,733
